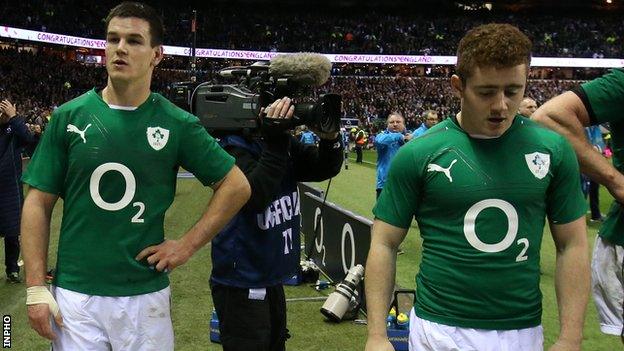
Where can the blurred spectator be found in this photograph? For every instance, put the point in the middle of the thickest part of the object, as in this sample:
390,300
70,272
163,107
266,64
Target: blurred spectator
29,149
387,144
327,29
360,138
308,136
594,136
430,118
527,107
38,85
14,135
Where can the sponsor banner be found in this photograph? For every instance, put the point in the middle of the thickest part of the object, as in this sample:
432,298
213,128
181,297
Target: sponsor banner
52,38
335,238
61,39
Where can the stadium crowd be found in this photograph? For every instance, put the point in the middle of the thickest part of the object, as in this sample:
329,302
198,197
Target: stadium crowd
354,30
37,89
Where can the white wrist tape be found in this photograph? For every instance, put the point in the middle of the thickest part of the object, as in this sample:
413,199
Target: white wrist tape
40,294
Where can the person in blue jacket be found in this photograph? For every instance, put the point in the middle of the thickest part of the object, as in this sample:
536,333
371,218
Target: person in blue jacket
387,144
308,136
430,119
594,136
14,135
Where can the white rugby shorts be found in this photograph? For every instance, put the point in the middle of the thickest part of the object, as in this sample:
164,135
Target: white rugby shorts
140,322
430,336
607,288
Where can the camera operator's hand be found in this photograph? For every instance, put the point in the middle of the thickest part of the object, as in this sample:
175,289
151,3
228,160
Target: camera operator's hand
280,109
275,118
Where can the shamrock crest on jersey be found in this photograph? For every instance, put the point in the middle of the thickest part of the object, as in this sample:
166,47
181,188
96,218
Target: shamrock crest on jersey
157,137
538,163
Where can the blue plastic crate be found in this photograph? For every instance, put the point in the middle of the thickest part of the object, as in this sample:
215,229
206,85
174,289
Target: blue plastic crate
399,338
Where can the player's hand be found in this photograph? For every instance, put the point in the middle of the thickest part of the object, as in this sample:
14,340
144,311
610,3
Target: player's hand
407,137
39,320
378,344
166,256
564,345
41,305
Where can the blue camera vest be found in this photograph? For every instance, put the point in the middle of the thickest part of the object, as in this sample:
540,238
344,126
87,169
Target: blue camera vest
259,249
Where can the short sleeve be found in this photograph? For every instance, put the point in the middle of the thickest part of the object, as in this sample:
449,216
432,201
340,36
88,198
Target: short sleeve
48,166
605,96
565,202
398,201
200,154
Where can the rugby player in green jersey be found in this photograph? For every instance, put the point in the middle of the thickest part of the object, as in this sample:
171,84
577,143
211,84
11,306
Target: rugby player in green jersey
599,101
113,155
481,186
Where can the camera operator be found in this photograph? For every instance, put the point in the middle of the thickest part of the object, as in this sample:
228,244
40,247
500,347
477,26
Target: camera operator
260,248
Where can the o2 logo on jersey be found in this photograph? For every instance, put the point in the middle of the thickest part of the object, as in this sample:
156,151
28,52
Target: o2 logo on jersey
512,228
94,189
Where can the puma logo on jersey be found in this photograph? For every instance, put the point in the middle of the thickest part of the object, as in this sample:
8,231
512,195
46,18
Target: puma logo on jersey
72,128
432,167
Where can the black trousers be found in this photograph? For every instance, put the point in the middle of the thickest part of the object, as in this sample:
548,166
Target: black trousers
594,202
11,253
358,154
251,325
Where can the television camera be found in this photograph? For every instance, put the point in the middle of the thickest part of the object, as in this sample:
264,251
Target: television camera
236,107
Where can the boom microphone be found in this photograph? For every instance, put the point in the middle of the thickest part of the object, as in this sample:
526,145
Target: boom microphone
302,68
243,71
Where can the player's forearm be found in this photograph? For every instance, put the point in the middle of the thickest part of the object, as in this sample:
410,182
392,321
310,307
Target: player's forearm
226,201
600,170
380,273
592,163
35,232
572,288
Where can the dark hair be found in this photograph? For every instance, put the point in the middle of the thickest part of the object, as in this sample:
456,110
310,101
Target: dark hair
496,44
428,112
139,10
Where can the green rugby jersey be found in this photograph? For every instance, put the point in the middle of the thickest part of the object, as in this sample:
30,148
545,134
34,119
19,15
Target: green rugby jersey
116,172
605,96
481,205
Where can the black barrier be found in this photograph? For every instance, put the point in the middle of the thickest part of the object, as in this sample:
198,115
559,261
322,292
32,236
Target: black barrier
342,239
308,188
